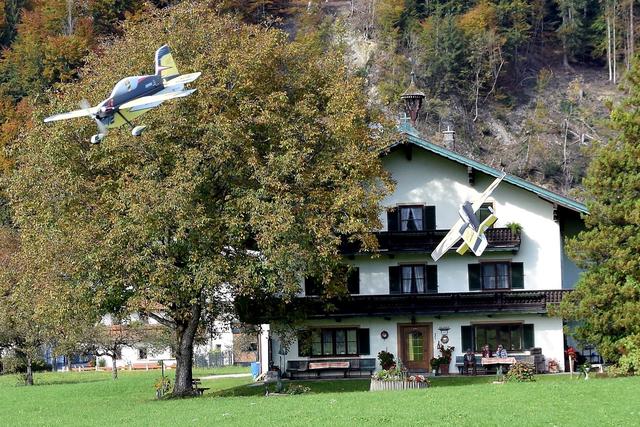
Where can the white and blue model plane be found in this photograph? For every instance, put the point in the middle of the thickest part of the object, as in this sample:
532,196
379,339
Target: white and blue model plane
133,96
468,228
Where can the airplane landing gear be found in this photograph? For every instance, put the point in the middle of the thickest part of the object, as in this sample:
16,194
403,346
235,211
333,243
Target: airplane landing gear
137,131
97,138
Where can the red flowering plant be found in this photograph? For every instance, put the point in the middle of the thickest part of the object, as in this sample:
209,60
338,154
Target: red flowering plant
571,353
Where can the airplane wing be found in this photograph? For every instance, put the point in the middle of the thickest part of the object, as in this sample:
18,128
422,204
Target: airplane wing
154,99
479,201
182,79
449,240
89,112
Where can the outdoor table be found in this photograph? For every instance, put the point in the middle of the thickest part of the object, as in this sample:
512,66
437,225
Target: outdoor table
499,361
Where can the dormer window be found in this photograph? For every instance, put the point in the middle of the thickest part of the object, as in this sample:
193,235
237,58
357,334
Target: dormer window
411,218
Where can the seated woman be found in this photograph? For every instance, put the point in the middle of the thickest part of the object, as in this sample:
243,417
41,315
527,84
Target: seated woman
469,360
486,351
501,352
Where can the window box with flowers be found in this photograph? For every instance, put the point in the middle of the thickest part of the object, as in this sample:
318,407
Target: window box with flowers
397,379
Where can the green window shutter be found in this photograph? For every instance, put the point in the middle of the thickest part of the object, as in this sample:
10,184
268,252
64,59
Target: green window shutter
475,277
353,280
363,342
528,336
311,286
467,334
432,279
394,279
392,219
517,275
429,217
304,343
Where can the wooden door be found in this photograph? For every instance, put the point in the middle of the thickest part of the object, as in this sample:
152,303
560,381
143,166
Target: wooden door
415,346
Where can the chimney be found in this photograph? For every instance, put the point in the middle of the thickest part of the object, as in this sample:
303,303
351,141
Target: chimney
449,138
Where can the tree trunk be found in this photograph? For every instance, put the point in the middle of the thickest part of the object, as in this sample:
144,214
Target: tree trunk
114,366
609,58
68,357
614,49
631,33
185,336
28,378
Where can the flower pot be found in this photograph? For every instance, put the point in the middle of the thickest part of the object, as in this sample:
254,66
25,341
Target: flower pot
444,369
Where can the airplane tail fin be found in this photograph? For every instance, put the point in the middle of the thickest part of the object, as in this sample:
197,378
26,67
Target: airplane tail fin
165,65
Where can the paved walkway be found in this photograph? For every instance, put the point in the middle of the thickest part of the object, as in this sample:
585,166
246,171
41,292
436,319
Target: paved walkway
215,377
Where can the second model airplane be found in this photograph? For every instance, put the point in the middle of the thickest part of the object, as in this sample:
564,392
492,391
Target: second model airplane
133,96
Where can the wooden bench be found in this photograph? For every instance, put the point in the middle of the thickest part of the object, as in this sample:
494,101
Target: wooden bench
145,365
344,365
479,367
196,382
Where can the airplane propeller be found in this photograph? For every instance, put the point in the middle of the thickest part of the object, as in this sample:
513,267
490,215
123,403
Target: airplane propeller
85,105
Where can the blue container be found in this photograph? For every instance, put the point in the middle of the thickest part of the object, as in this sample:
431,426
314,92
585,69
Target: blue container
255,369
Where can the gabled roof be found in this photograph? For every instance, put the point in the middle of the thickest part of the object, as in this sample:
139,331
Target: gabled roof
413,138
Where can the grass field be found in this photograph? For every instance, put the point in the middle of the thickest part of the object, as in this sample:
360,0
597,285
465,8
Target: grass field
91,398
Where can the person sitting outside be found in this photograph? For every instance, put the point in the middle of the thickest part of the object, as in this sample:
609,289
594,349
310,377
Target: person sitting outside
470,361
501,352
486,351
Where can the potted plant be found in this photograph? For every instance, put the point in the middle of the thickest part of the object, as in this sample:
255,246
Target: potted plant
386,360
435,365
445,357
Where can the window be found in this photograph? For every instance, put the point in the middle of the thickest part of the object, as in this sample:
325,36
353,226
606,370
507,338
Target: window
512,336
413,279
333,342
491,276
411,218
313,286
142,353
485,210
496,275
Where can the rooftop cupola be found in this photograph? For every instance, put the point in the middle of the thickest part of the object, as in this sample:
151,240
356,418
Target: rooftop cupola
413,98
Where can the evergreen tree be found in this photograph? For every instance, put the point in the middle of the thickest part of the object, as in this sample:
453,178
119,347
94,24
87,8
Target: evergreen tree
607,298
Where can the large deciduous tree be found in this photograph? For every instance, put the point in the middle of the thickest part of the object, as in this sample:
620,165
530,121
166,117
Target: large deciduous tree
607,297
245,186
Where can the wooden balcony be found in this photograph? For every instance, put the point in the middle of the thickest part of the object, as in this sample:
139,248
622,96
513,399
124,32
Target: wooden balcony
499,239
488,303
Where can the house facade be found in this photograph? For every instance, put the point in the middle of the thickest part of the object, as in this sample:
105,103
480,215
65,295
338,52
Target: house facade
403,302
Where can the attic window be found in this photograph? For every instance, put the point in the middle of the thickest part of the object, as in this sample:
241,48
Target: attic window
411,218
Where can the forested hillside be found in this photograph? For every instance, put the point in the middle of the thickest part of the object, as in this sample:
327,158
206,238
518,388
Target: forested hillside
526,84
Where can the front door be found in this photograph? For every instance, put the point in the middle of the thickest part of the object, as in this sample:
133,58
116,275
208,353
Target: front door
415,346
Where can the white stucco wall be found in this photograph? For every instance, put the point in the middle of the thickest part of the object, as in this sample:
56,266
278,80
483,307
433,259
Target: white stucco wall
433,180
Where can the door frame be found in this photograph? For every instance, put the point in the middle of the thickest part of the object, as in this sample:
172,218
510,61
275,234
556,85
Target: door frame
428,344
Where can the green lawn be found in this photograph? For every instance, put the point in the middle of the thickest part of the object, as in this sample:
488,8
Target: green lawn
91,398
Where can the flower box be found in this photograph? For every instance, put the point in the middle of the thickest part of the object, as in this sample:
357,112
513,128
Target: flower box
377,385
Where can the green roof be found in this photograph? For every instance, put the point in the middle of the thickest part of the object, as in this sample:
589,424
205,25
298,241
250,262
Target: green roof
543,193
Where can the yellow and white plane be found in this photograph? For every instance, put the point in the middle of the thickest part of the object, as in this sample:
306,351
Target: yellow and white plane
133,96
468,227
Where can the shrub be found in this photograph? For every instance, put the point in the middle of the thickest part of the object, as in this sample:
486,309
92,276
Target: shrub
102,363
521,372
298,389
386,360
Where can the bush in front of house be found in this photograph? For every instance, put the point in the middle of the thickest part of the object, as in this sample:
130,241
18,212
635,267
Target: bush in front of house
521,372
386,360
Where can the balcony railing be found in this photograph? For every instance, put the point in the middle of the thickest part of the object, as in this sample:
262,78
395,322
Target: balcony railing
488,303
426,241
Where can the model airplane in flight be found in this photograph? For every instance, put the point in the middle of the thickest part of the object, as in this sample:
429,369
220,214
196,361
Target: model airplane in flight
468,227
133,96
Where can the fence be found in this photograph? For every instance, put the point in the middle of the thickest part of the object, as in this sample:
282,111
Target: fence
214,359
